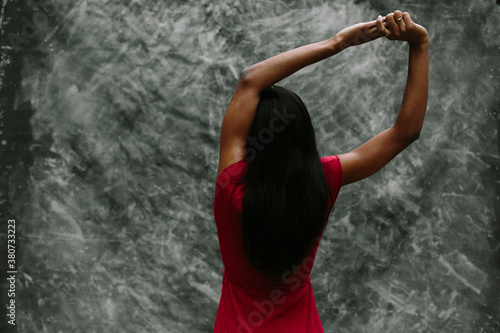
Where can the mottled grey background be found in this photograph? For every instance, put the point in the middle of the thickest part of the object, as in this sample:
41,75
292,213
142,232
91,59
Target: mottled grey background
110,115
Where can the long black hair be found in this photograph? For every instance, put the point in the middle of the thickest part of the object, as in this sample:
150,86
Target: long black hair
286,193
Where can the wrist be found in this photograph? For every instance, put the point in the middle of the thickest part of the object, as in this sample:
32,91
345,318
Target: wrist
423,40
337,43
421,44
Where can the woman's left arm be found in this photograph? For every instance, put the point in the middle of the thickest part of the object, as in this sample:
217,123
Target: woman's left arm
241,109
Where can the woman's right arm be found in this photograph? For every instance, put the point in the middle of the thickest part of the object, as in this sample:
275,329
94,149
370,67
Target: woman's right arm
374,154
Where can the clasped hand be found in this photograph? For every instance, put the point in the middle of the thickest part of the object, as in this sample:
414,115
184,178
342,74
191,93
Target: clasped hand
394,26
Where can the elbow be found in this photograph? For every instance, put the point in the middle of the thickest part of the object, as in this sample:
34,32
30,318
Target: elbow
244,73
249,81
251,77
408,136
245,77
414,136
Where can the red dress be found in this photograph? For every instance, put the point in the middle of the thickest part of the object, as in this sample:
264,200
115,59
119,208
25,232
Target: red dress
249,302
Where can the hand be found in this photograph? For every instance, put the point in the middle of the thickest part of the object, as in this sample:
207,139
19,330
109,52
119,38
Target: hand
399,26
361,33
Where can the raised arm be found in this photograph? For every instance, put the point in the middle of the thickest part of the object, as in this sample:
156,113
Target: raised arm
380,150
241,109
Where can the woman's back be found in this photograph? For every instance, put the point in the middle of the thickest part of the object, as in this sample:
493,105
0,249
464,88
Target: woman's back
250,302
263,230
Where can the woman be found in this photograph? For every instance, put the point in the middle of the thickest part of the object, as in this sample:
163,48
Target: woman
274,194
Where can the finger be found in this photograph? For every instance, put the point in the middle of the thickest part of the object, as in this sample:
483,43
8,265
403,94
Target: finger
398,17
407,18
391,23
381,27
373,23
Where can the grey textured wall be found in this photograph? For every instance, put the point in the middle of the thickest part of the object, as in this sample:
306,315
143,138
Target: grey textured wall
111,113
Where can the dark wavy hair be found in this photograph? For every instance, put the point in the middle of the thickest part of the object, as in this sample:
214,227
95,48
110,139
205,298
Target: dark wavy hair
286,194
